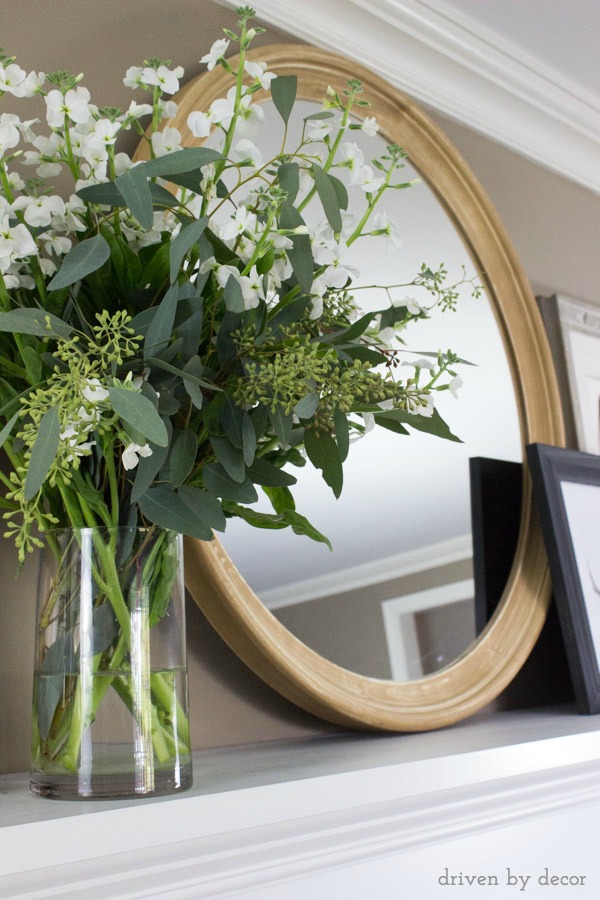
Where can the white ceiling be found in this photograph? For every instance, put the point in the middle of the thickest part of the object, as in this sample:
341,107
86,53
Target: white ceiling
562,36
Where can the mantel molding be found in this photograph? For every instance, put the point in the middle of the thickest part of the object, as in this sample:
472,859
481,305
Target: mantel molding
456,66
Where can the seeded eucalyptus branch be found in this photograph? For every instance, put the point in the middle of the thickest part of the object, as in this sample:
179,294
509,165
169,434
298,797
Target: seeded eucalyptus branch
177,334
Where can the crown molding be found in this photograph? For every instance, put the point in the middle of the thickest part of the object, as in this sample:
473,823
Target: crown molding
456,66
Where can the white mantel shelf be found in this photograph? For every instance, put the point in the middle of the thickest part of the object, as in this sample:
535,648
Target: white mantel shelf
265,821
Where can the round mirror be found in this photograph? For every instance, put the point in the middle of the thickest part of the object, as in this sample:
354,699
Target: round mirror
405,502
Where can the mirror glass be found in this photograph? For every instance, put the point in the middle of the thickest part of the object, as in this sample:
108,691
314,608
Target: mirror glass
395,597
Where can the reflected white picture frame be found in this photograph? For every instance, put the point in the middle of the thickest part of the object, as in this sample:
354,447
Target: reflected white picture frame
399,621
573,329
566,488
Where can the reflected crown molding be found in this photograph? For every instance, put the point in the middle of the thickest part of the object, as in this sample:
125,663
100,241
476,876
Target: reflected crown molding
380,571
450,62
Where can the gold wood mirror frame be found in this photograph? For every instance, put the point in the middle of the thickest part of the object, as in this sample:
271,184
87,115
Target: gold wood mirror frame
483,671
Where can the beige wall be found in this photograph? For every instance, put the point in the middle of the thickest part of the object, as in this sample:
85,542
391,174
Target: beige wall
554,225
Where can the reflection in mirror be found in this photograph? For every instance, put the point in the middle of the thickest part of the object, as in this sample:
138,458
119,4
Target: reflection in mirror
395,597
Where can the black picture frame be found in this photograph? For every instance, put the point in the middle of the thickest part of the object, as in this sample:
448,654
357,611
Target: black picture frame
566,489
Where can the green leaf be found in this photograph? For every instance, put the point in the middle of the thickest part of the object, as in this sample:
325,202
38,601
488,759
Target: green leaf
218,482
328,197
184,241
283,94
324,114
183,456
81,260
281,498
179,161
391,425
205,506
50,681
342,433
300,525
8,428
34,321
161,327
192,381
324,454
266,474
43,452
138,412
255,518
230,457
429,424
135,189
165,508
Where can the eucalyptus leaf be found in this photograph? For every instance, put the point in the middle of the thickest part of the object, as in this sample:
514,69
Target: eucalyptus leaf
165,508
160,328
324,454
342,433
149,466
137,411
282,423
81,260
248,439
307,407
300,253
328,197
38,322
289,179
266,474
232,418
230,457
175,163
218,482
205,506
232,296
183,456
283,94
5,433
184,241
134,187
43,452
433,424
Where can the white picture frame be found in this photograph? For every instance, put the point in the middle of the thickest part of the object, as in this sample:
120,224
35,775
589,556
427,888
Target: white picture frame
573,328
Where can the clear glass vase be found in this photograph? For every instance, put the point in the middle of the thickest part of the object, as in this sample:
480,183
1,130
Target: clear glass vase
110,704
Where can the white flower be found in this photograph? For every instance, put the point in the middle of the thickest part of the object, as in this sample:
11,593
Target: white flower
455,385
319,129
246,150
383,225
370,126
136,111
222,111
13,80
93,391
216,52
337,272
351,157
166,79
421,363
9,138
132,452
387,336
133,77
166,141
24,127
242,221
15,243
74,105
38,211
258,71
316,310
410,303
167,108
200,123
104,134
367,180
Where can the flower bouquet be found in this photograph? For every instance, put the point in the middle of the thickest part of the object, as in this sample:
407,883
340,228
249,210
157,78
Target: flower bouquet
176,334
